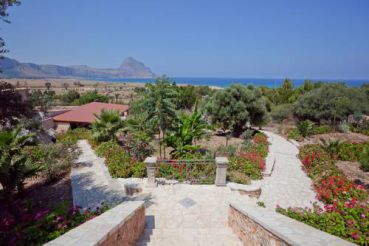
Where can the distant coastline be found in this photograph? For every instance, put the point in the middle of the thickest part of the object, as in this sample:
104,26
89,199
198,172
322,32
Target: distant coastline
224,82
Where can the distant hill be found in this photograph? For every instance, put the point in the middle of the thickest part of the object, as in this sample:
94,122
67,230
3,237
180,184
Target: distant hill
130,68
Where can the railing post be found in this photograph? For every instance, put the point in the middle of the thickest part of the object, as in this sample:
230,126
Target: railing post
221,175
150,163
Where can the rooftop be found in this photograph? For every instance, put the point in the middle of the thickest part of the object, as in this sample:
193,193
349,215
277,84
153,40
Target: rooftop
86,113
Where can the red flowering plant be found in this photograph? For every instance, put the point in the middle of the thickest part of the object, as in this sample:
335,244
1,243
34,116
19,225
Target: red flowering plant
346,210
339,188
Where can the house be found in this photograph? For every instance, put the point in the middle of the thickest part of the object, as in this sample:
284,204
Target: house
85,115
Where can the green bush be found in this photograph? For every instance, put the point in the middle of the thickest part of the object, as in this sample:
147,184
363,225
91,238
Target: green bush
294,134
322,129
72,136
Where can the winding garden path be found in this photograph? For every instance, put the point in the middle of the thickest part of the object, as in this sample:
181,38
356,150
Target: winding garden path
288,186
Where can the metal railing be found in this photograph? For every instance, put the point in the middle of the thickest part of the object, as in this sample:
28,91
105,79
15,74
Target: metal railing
201,171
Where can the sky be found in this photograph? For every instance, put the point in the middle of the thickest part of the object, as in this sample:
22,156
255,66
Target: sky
312,39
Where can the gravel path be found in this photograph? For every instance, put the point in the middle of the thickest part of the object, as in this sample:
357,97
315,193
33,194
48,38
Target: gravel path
288,186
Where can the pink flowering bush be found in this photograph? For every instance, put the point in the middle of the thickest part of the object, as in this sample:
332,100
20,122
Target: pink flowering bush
31,227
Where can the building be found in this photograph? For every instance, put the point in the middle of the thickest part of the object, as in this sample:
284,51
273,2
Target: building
85,115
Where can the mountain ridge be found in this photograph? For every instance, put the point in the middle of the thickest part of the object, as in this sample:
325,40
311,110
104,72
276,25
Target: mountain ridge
129,68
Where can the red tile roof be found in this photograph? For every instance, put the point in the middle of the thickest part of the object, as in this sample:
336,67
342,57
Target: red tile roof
86,113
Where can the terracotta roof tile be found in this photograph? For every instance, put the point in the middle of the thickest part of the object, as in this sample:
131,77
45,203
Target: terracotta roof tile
86,113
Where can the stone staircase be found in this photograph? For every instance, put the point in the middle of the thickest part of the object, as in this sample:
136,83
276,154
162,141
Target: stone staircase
188,215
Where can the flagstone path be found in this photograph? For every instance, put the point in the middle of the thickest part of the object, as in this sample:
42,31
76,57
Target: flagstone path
288,186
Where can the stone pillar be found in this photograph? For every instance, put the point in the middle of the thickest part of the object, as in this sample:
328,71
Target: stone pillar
221,175
150,163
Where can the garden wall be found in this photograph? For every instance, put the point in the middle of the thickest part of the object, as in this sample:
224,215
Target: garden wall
259,226
121,225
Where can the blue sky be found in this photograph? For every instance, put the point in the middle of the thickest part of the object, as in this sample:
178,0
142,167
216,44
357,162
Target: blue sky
208,38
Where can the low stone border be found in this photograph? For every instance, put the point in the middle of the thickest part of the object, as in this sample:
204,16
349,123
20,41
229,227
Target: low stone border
252,190
121,225
269,165
260,226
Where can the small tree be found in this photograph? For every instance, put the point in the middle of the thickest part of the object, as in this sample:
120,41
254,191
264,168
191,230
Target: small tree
66,86
12,105
233,107
47,85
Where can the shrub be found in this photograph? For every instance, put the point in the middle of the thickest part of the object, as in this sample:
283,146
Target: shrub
55,159
120,164
226,150
39,227
332,147
338,188
305,128
322,129
294,134
344,128
72,136
137,148
347,220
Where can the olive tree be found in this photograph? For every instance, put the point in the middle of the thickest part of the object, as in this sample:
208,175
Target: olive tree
332,102
232,108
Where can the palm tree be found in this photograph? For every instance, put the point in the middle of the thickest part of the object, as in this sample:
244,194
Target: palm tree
331,146
159,103
106,125
14,165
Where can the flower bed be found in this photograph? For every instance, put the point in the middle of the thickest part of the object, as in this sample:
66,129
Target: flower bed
249,163
120,164
346,209
31,227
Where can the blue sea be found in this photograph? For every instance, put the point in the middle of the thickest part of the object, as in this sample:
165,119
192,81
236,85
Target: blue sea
224,82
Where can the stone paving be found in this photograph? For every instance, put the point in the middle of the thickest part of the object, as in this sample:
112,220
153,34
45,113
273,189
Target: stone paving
183,214
91,182
288,185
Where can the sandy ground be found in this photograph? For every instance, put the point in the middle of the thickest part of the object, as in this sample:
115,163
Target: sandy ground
349,137
353,172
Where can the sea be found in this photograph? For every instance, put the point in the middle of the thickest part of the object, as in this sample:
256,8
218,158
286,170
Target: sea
224,82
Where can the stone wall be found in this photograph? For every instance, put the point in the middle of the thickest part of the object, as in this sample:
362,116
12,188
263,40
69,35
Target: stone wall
259,226
121,225
250,232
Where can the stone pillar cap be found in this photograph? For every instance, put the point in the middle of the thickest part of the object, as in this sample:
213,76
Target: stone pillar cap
150,159
221,160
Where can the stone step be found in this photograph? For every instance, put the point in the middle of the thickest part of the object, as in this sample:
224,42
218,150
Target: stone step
194,236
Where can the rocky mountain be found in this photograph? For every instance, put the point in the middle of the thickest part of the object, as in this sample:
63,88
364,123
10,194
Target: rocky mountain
130,68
